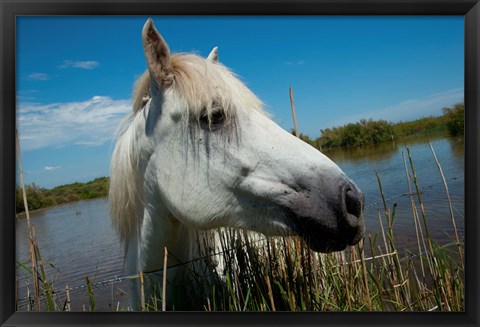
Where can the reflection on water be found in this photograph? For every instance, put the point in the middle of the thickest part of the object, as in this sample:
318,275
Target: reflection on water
382,151
78,239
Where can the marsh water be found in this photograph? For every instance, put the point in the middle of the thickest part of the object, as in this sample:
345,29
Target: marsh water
77,240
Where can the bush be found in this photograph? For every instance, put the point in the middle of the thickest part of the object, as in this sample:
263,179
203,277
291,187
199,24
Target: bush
34,197
41,198
455,119
356,134
422,126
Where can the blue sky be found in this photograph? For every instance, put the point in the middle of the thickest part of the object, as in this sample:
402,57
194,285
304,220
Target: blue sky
75,75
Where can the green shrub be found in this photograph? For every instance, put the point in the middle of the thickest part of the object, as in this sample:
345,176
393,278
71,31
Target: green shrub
356,134
455,119
41,198
34,198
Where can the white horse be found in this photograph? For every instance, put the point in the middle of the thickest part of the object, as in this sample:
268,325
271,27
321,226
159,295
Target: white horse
199,153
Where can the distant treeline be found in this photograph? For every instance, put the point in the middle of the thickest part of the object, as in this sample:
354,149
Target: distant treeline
39,197
370,131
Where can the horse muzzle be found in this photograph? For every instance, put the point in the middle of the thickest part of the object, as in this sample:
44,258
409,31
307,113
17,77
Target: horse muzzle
330,223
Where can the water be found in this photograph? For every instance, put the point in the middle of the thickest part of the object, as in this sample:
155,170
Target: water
361,164
77,240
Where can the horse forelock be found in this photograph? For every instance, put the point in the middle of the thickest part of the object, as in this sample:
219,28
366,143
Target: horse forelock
201,82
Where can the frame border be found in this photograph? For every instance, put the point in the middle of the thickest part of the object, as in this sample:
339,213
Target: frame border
9,9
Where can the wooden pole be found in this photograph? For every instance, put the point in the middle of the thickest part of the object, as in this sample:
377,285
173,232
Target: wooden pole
164,290
292,104
31,234
19,157
297,134
68,306
142,292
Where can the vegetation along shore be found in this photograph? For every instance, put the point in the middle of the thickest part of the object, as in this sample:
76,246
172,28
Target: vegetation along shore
364,132
39,198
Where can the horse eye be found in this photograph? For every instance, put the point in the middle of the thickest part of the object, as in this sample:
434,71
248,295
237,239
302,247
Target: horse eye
216,119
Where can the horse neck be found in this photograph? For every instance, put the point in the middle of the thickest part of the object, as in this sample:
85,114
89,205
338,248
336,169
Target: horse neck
146,254
160,230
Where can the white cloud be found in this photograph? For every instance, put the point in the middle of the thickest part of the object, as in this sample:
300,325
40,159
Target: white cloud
26,95
88,123
412,109
52,167
37,77
89,64
295,63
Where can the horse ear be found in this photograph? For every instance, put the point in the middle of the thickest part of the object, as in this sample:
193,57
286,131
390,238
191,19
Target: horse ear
157,54
213,56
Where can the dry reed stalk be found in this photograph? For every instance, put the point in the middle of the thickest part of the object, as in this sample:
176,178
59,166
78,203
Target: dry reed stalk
31,235
142,291
434,267
403,285
68,305
387,212
294,114
111,293
365,276
416,220
297,245
388,245
36,284
164,290
366,259
90,294
378,285
29,306
383,235
209,306
288,273
448,287
348,297
46,285
16,293
449,206
398,277
239,294
270,293
422,208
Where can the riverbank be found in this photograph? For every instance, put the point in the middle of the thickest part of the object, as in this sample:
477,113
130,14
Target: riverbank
23,215
42,198
369,132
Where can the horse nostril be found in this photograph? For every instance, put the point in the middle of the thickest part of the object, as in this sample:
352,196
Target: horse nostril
350,220
353,203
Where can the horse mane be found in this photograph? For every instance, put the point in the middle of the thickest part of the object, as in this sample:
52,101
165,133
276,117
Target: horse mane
197,82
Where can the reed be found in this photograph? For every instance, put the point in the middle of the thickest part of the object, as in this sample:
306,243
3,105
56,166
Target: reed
90,294
457,238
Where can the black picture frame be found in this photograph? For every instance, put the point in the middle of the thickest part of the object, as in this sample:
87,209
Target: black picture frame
470,9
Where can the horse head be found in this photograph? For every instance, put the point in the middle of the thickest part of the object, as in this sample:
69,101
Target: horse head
213,158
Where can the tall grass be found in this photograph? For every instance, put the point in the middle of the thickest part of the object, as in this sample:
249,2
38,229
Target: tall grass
282,274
